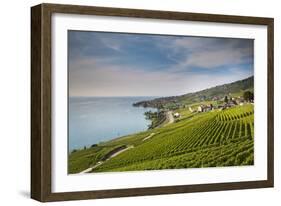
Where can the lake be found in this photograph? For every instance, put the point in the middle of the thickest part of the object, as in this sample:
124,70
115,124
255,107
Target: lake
96,119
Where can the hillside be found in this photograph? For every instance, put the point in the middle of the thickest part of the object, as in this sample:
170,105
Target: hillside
209,139
232,89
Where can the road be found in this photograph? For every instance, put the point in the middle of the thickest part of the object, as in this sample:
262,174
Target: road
169,117
101,162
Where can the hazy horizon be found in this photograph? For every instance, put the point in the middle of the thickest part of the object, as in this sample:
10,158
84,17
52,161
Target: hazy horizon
164,96
103,64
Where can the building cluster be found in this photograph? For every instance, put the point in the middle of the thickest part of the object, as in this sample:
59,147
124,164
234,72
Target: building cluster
205,108
221,104
231,102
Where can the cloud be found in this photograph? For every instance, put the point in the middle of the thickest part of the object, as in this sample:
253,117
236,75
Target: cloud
111,43
213,59
114,64
94,79
210,53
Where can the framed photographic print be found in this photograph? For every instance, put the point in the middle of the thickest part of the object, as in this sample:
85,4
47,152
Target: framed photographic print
130,102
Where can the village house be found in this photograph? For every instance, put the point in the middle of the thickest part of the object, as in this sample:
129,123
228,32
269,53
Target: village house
215,98
176,115
205,108
232,103
200,108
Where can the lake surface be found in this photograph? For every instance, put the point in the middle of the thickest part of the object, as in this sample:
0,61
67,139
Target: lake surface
96,119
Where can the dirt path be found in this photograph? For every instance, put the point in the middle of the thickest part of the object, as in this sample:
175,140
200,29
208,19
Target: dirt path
119,152
101,162
148,137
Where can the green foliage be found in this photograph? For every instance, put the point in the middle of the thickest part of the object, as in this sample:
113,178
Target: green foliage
248,96
157,118
225,99
75,150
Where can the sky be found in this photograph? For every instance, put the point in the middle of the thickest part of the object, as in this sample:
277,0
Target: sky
120,64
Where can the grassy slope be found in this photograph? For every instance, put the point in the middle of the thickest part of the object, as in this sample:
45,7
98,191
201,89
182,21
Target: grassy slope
215,138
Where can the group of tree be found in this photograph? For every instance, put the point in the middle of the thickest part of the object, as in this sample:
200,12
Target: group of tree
248,96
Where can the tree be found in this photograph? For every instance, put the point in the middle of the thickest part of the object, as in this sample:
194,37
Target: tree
226,99
248,96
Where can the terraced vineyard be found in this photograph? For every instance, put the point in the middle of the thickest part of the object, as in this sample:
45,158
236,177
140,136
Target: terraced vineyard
210,139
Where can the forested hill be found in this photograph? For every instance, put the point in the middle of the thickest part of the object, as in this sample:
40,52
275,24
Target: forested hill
232,89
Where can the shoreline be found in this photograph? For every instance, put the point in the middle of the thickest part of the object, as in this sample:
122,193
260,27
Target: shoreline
72,150
167,119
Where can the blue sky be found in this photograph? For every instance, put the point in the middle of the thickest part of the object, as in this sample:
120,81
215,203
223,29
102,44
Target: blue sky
117,64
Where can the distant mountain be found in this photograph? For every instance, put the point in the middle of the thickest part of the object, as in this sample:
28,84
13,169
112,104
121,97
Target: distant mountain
232,89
